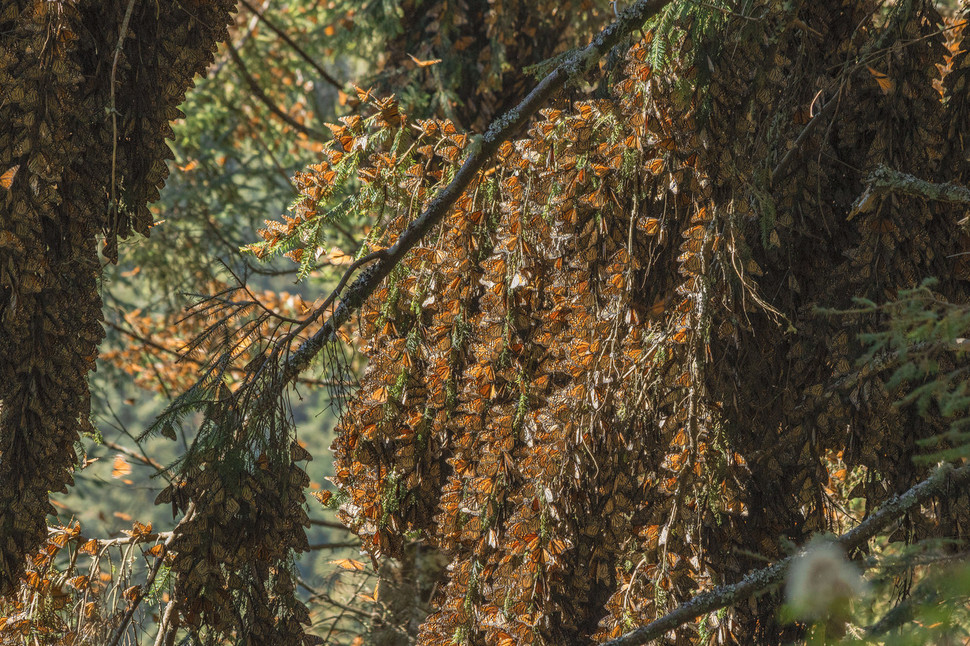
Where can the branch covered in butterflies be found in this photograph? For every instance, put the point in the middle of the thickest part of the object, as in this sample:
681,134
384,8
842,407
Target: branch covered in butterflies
498,132
944,481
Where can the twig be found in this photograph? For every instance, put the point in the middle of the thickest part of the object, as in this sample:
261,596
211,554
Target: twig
265,100
786,161
144,459
327,523
296,48
334,546
344,609
306,381
150,580
255,301
104,543
163,624
945,477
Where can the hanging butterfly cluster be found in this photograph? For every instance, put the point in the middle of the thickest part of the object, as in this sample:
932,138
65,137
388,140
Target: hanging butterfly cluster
232,555
510,357
61,162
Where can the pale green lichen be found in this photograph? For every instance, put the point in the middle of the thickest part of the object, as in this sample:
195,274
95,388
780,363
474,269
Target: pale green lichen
499,125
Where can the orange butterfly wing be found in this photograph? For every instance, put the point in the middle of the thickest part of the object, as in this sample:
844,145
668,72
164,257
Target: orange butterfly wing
6,180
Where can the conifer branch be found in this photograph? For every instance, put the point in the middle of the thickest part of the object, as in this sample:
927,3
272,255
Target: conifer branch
498,132
944,481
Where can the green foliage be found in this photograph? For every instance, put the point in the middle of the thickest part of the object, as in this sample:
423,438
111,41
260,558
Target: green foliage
688,26
919,591
924,342
918,596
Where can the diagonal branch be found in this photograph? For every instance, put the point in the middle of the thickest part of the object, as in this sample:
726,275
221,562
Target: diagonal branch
296,48
944,481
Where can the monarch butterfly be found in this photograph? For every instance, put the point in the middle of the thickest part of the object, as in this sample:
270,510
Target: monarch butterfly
351,121
59,539
596,200
79,582
505,150
363,95
427,63
689,263
514,186
390,113
89,547
688,286
451,153
693,245
6,180
701,217
694,232
482,485
585,110
347,142
885,83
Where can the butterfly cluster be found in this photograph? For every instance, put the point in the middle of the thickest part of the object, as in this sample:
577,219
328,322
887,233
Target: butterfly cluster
240,536
607,368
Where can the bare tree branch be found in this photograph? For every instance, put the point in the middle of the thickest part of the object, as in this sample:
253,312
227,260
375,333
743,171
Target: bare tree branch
265,100
296,48
334,546
943,482
327,523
